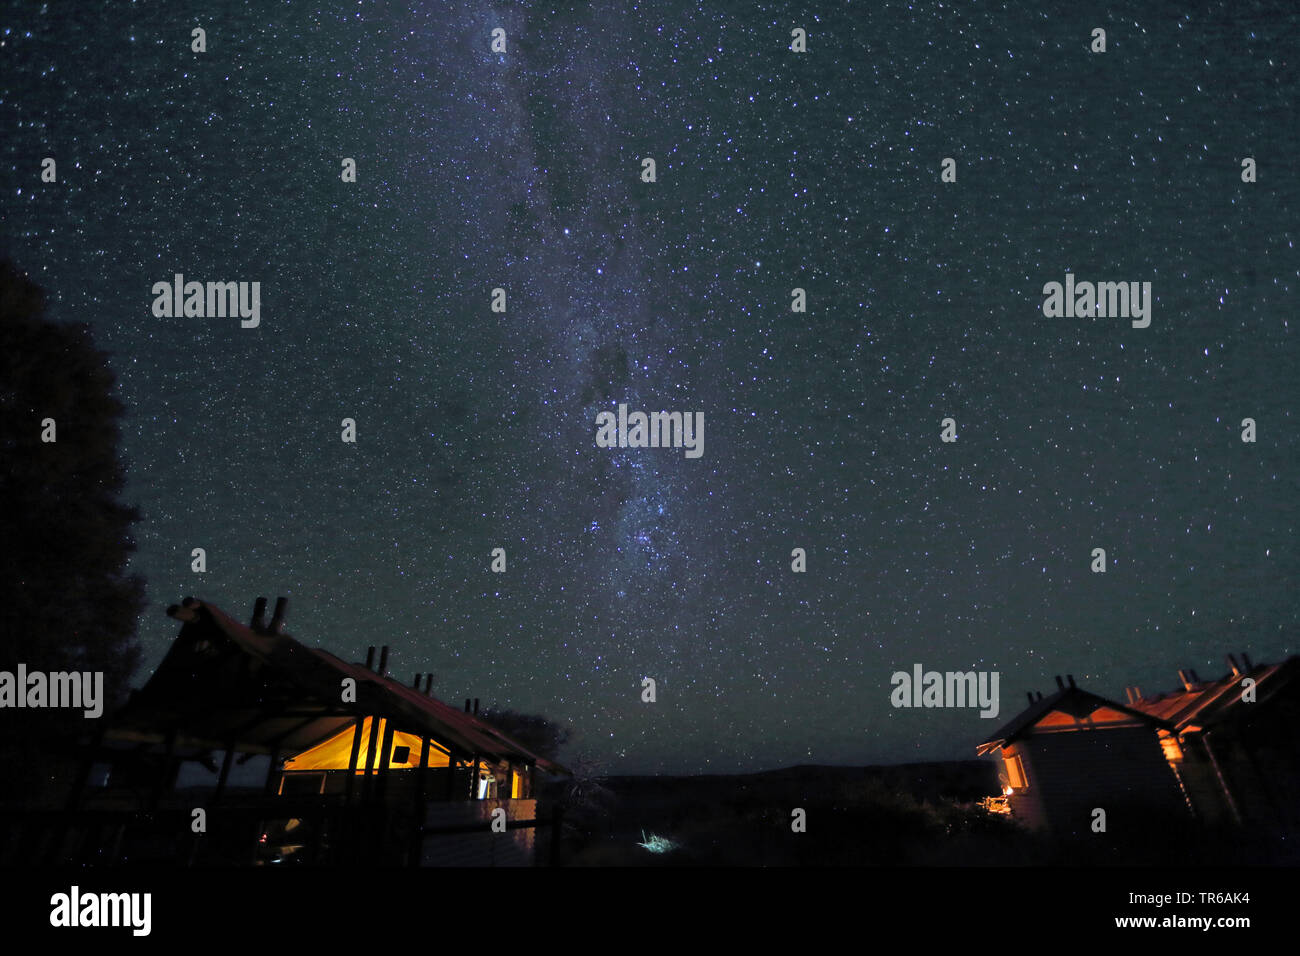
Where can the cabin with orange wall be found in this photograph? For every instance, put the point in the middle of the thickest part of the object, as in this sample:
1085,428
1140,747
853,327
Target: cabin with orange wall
1070,754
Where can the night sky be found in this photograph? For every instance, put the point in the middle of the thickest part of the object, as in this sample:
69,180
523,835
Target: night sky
775,170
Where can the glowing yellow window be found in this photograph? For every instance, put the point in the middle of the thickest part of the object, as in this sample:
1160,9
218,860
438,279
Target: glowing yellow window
1016,772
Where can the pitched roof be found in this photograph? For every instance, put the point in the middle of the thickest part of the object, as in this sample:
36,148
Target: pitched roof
222,682
1216,701
1071,701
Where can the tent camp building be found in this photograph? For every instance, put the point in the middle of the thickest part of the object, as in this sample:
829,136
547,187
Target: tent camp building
360,767
1221,752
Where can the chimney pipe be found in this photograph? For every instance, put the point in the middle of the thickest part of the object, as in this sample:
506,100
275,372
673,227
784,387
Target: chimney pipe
416,683
383,661
1236,668
1030,695
1245,659
467,705
1040,694
370,657
277,618
1060,684
1128,695
475,706
1070,678
1186,678
182,613
1196,678
428,684
259,615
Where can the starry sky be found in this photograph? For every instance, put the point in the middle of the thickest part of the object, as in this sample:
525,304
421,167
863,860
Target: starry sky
775,170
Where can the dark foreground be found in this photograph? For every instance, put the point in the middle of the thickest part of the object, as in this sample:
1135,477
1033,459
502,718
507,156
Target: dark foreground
908,815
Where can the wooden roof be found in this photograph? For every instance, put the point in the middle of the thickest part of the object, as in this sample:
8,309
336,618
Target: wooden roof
1179,711
1071,704
1206,704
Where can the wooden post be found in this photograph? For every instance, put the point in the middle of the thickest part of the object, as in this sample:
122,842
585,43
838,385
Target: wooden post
372,751
269,787
225,772
352,760
1223,783
84,771
473,779
385,759
451,773
381,809
161,783
417,836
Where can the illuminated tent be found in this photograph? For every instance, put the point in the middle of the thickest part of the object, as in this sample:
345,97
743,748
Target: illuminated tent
335,754
362,767
256,690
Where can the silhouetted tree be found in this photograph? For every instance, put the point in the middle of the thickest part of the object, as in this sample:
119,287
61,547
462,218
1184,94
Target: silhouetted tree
539,734
586,797
66,601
